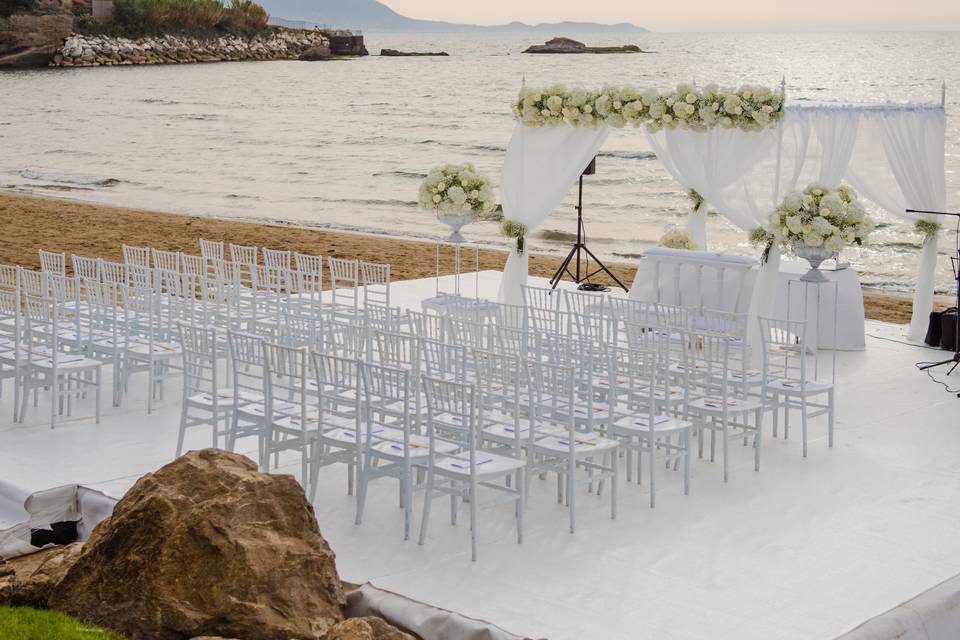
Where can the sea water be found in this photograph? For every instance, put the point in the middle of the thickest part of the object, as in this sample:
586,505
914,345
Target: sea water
345,144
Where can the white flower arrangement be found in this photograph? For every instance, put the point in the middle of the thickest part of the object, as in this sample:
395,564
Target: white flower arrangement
676,238
748,108
457,189
816,217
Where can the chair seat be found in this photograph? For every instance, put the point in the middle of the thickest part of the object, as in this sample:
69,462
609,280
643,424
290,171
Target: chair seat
259,409
419,447
487,464
65,362
346,436
584,444
713,405
640,425
794,387
157,349
224,398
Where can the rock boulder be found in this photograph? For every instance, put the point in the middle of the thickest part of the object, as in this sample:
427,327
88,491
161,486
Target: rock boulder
32,40
37,584
368,628
207,546
569,45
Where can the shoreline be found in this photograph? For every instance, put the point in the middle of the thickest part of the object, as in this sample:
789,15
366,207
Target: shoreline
84,228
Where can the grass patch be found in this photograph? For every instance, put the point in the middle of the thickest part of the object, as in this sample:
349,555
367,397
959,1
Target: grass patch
30,624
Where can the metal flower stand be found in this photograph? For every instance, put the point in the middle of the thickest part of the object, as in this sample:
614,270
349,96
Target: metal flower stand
811,294
443,300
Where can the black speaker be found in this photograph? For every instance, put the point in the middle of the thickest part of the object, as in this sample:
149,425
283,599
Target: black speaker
948,329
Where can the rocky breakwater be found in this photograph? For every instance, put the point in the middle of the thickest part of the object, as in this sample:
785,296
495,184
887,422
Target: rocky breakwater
92,51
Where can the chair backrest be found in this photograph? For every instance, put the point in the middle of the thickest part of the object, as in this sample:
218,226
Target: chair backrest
429,326
542,298
55,263
276,258
387,392
471,334
167,260
551,396
339,391
199,348
246,257
287,376
376,284
303,330
10,328
452,409
249,363
85,268
112,272
344,282
64,289
587,315
211,249
104,303
443,360
512,316
8,277
308,276
140,276
785,350
193,265
32,282
347,340
499,378
138,256
400,350
706,358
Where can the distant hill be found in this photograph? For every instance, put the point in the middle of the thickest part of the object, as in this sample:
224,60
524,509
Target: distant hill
376,16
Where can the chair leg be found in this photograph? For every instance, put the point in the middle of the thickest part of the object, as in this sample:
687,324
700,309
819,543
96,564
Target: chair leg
473,521
803,422
614,481
653,477
686,463
427,501
726,446
830,417
758,441
99,380
407,502
362,495
520,504
571,492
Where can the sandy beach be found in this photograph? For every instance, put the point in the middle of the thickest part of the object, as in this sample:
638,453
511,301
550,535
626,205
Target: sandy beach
30,223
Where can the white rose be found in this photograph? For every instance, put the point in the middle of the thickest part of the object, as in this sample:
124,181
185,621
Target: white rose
437,199
457,195
554,103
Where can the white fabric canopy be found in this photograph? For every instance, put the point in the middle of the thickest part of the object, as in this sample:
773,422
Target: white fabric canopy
540,167
892,154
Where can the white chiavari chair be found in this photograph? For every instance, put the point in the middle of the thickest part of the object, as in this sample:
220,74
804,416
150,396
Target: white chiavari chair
32,283
8,277
148,346
393,449
10,342
342,437
53,263
552,407
246,257
166,260
211,250
112,272
722,408
443,360
277,259
637,384
206,401
453,416
252,400
308,282
294,425
67,376
787,383
85,268
137,256
107,326
375,279
344,284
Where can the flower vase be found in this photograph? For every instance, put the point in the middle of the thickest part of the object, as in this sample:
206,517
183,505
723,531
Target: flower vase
815,256
457,222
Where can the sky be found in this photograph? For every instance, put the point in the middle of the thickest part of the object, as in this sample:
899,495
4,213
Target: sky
700,15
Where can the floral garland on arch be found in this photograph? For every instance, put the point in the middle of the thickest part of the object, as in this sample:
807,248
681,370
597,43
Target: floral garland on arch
819,216
748,108
926,228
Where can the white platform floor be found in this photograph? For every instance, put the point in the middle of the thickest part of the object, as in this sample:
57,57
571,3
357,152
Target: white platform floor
805,549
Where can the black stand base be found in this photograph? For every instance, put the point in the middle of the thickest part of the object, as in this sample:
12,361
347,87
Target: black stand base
955,360
580,247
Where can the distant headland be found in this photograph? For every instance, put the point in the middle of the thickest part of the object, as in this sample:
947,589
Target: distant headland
372,15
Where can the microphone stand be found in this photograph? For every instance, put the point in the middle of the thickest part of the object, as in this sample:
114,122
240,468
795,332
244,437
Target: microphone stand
955,360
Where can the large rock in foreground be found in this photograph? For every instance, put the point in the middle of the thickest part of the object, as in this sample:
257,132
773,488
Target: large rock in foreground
207,546
32,41
367,628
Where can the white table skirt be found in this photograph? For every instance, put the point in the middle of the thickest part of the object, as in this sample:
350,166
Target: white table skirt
850,332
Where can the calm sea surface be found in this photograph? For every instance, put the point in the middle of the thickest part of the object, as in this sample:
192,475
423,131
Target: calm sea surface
345,144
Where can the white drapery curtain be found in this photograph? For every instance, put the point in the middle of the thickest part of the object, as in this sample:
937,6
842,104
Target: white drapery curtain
899,164
541,165
709,161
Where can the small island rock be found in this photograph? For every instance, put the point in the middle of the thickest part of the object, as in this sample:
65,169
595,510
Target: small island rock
569,45
393,53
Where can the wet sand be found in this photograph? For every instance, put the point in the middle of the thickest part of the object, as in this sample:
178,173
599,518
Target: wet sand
29,223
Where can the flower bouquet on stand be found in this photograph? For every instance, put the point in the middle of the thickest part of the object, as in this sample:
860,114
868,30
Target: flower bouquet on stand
816,224
676,238
458,195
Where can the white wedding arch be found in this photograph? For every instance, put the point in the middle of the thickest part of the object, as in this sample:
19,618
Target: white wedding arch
893,154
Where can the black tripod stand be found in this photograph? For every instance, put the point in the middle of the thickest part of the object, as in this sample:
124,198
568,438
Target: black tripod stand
582,277
955,360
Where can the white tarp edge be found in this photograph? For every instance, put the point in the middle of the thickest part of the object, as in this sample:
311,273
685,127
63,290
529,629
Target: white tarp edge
430,623
21,513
